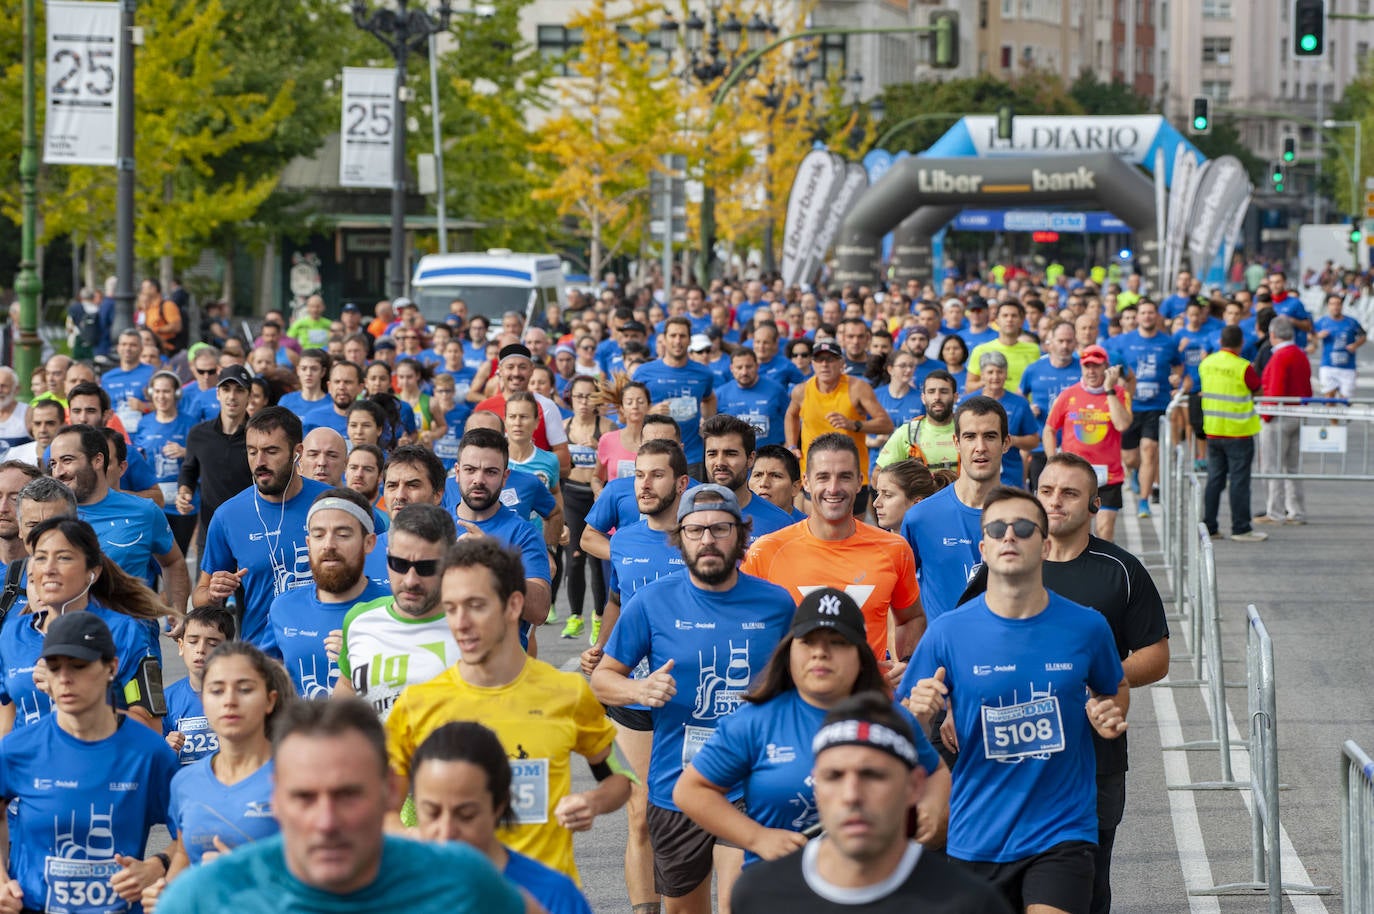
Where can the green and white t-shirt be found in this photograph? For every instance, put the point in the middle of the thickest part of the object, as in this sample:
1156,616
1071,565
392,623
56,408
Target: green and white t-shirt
384,651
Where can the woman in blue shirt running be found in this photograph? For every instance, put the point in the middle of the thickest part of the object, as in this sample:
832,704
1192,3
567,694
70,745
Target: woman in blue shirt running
225,800
762,752
461,780
83,786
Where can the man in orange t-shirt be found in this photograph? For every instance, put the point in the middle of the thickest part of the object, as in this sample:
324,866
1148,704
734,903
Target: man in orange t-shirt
832,549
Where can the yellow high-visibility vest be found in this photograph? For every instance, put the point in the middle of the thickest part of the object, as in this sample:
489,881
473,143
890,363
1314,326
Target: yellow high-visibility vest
1228,408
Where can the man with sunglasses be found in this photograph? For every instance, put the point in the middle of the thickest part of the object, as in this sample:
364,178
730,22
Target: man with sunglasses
1026,677
401,638
710,630
339,531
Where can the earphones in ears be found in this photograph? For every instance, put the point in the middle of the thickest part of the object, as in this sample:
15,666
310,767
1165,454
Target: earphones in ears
90,579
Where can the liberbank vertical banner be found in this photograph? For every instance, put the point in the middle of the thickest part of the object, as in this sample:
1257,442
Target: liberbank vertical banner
1133,137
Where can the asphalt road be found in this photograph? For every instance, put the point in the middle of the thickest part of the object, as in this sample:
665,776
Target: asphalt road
1311,584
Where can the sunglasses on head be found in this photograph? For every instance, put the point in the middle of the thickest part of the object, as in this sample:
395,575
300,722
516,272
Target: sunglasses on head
1021,528
425,568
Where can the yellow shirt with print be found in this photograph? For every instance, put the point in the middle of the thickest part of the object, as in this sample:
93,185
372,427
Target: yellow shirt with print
1019,356
542,717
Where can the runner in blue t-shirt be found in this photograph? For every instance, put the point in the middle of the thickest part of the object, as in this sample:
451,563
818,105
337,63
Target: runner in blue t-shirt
1341,337
943,530
764,749
680,387
1023,673
184,725
729,448
711,630
224,800
307,622
1042,382
127,382
161,437
1151,356
758,401
1022,429
257,539
83,786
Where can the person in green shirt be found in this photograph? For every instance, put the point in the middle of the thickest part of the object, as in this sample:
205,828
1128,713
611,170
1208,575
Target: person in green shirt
311,329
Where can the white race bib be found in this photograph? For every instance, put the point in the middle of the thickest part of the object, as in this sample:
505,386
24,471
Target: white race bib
529,790
1013,732
693,738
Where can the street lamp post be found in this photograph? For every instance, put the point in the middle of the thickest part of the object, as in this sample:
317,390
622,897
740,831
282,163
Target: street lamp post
1354,170
402,30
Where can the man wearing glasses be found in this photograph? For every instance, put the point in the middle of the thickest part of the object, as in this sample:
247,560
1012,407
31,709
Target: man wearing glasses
400,639
705,635
1026,676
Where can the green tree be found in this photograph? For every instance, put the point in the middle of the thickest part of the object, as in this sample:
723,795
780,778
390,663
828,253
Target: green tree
1036,92
488,87
1107,98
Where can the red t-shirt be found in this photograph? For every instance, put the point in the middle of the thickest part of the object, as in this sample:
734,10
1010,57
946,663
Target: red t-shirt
1087,429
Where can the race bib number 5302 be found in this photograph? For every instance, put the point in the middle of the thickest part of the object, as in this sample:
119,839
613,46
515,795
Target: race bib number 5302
1016,731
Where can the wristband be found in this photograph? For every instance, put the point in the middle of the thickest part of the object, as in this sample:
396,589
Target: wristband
166,862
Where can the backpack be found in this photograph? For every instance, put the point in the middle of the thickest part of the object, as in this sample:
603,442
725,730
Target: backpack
915,451
160,323
10,592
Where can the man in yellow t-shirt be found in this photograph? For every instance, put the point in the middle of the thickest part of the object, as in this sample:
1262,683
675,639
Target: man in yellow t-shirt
1011,318
542,715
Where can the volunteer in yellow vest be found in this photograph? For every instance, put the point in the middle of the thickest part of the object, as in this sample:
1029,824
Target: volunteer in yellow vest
543,716
1230,422
1019,353
831,401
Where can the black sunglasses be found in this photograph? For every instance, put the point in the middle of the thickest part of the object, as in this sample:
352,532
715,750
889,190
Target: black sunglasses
1021,527
425,568
206,371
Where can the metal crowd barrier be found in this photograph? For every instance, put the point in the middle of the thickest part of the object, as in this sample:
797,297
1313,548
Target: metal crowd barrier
1357,829
1265,854
1335,438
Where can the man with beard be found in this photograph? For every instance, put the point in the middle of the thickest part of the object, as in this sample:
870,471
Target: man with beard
324,454
257,540
339,533
345,383
641,553
482,470
217,443
14,475
132,531
401,638
928,438
413,475
363,474
88,404
712,629
728,444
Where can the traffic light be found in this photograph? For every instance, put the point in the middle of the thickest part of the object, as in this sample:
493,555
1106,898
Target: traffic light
945,39
1309,28
1290,149
1201,121
1277,177
1355,234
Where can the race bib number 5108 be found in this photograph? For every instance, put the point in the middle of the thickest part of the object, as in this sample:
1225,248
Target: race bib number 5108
1016,731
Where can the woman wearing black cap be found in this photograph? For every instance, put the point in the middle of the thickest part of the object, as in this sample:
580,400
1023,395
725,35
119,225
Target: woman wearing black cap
762,753
90,784
68,574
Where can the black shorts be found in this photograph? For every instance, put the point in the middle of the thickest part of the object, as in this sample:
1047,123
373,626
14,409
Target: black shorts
1111,497
1061,877
1144,424
682,850
631,718
861,500
1195,414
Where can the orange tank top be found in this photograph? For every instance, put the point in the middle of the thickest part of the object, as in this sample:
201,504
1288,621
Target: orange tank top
816,406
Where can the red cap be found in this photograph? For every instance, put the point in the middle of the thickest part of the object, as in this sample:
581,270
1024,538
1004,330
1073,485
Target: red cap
1093,355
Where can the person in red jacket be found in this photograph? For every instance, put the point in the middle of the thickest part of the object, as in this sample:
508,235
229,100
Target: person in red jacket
1287,374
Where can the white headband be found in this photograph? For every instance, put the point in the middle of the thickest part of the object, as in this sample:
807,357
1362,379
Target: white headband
334,503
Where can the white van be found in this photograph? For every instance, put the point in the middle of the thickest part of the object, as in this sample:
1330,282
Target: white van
491,284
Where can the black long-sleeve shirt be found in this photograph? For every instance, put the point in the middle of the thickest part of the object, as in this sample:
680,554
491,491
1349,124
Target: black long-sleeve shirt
216,463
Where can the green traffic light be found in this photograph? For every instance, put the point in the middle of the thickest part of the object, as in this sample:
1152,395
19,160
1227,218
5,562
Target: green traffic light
1288,156
1278,188
1199,123
1277,177
1308,43
1355,236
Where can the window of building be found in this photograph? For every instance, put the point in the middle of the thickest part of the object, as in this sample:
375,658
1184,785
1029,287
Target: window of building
1218,90
559,45
1216,51
1218,9
1361,52
1007,52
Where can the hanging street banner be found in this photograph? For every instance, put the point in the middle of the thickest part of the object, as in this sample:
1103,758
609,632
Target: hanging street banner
82,112
816,179
367,131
